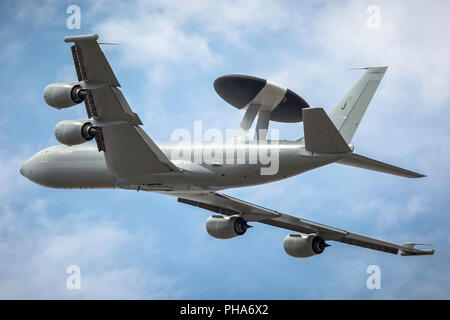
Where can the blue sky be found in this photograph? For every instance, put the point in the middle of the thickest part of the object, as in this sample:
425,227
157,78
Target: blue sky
144,245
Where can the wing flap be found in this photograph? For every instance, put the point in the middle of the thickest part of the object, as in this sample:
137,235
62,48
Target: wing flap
110,105
227,205
369,243
91,63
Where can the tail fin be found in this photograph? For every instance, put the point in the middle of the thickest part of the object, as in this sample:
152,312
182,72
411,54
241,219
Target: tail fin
347,114
320,133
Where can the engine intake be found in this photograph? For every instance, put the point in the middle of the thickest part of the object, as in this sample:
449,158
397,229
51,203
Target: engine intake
298,246
72,132
222,227
63,95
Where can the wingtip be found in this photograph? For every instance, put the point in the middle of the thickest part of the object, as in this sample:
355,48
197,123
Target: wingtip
409,249
85,37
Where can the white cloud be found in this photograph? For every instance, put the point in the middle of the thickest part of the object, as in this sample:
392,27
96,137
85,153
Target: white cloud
12,51
413,40
160,36
388,212
9,173
38,254
157,42
37,246
38,13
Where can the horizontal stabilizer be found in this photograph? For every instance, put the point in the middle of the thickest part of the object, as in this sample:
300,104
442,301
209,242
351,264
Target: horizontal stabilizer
359,161
320,133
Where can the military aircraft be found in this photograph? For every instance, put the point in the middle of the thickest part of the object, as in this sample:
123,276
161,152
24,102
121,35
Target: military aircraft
125,157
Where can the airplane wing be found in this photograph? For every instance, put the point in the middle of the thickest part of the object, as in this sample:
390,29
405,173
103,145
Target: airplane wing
128,149
226,205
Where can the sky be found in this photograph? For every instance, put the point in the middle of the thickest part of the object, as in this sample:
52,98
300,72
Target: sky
138,245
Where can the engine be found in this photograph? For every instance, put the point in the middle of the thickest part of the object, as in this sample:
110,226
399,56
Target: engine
63,95
72,132
298,246
222,227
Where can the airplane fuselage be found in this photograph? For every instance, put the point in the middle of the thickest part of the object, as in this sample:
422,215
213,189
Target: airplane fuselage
205,166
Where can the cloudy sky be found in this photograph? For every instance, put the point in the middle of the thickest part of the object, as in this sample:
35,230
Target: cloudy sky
142,245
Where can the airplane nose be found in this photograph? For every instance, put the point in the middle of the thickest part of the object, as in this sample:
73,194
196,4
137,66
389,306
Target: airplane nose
25,169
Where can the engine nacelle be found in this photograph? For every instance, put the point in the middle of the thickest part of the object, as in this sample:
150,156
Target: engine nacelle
63,95
222,227
298,246
72,132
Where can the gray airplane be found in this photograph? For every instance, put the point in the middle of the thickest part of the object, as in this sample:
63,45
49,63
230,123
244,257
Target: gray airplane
125,157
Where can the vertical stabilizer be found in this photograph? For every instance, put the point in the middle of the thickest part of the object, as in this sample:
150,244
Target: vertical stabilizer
320,134
347,114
